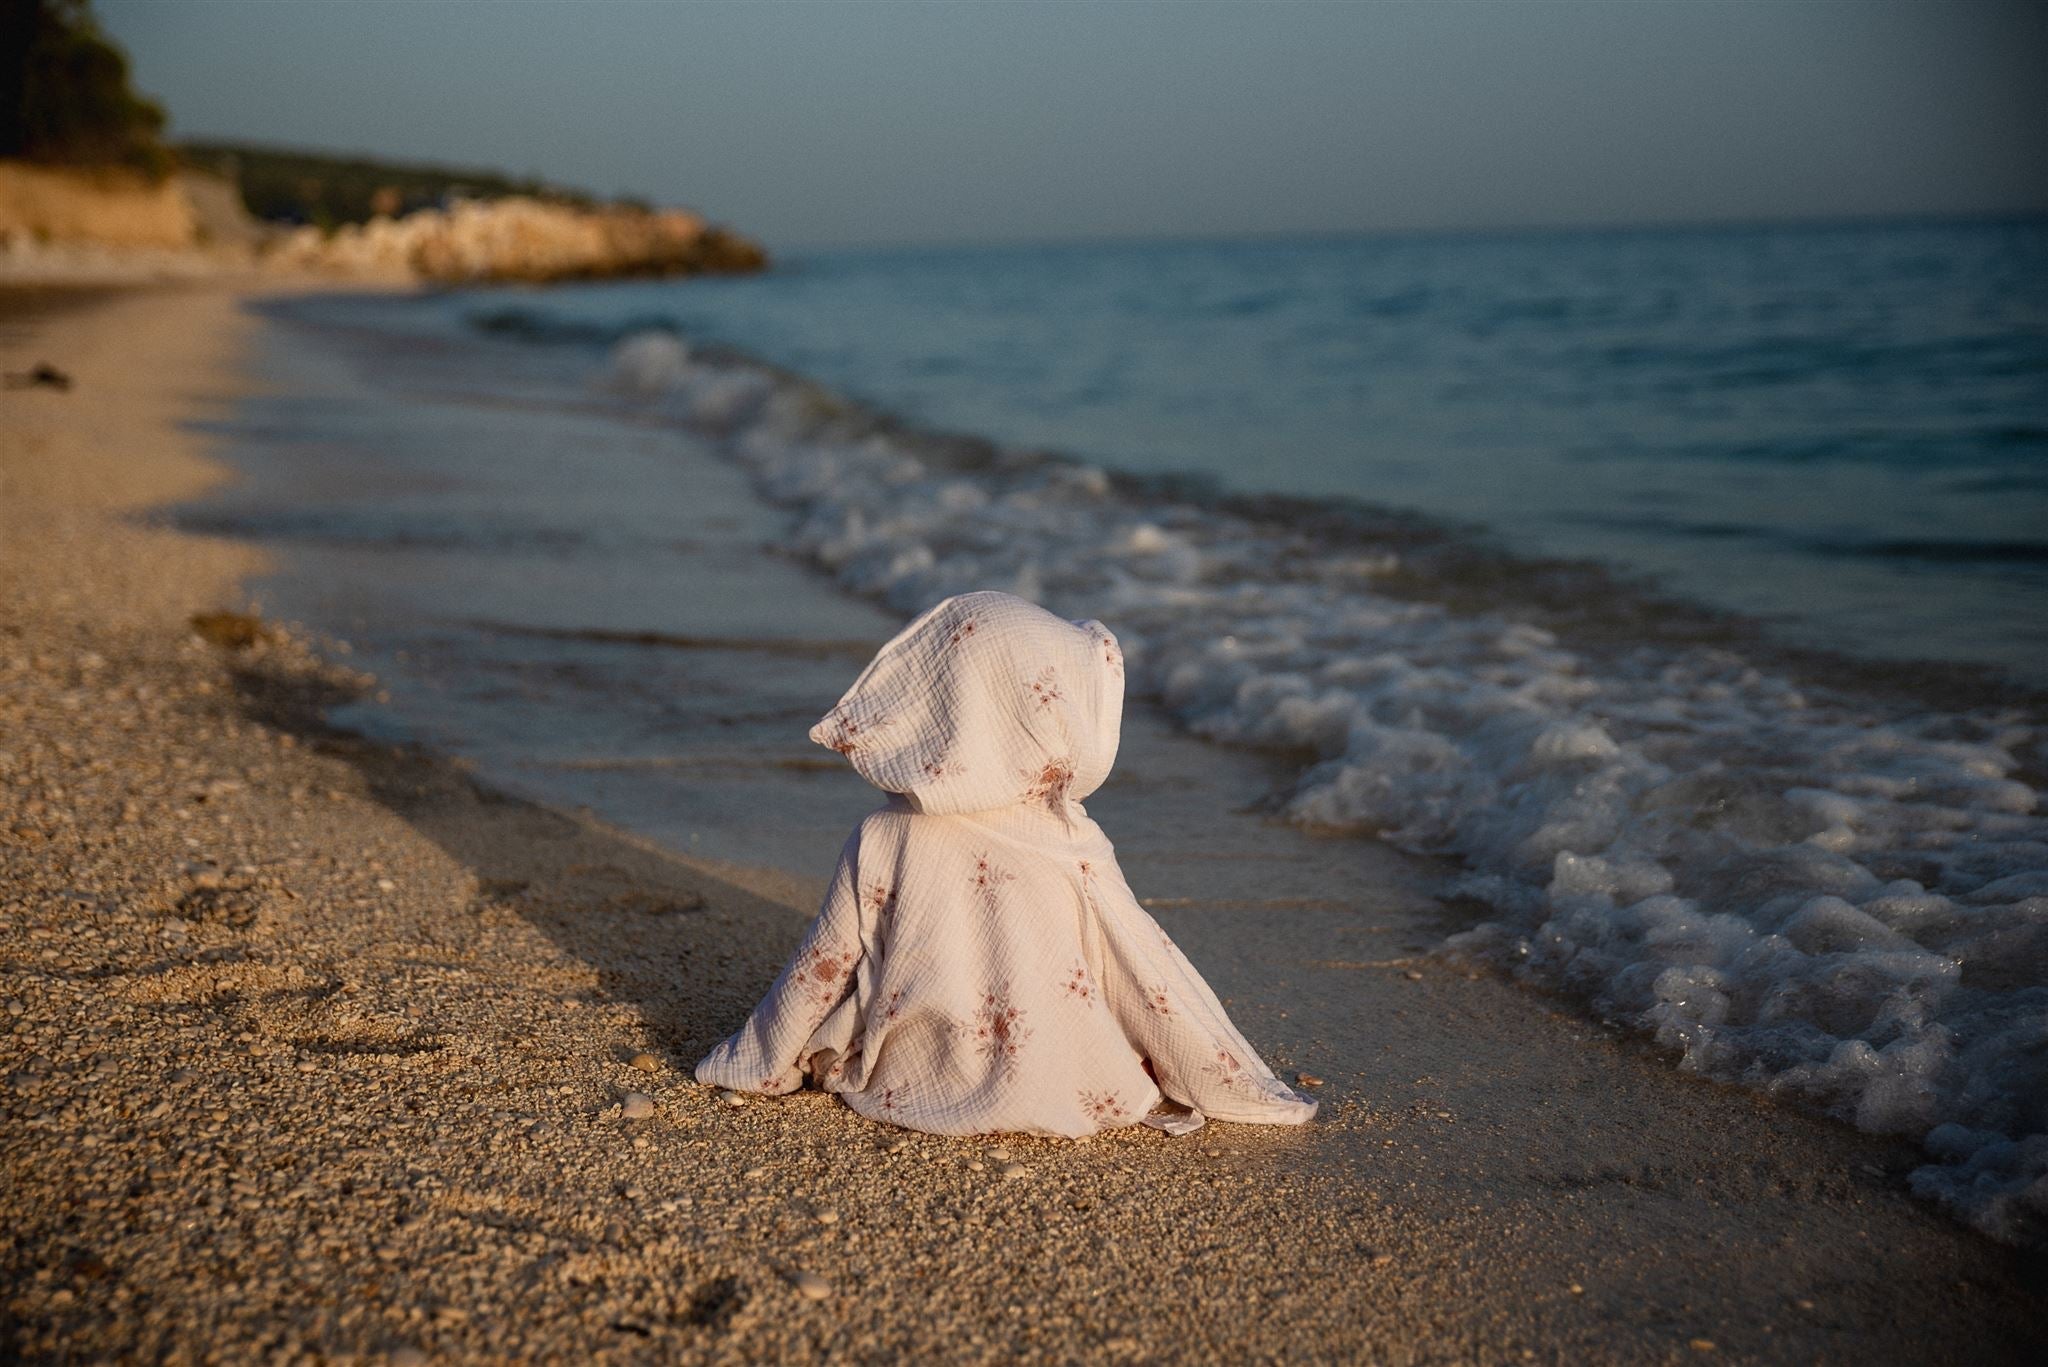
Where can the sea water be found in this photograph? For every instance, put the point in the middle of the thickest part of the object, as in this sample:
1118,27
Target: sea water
1794,864
1843,431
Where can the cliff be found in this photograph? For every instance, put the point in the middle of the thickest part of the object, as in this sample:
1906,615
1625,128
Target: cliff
523,239
55,222
108,208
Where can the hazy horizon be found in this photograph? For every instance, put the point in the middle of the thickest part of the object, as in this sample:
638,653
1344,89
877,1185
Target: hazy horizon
901,124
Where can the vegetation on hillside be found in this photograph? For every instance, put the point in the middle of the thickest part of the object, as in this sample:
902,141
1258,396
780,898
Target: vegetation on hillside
64,92
66,102
327,190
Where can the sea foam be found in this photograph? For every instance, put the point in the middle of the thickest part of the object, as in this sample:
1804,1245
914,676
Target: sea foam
1825,896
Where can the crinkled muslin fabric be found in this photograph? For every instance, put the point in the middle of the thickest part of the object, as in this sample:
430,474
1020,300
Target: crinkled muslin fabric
979,964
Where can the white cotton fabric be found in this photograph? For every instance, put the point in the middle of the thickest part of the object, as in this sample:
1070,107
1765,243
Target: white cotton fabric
979,964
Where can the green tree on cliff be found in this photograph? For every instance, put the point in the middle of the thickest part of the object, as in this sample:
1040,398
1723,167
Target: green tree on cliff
64,92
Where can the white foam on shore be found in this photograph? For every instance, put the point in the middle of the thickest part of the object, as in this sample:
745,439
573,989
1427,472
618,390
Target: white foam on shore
1822,897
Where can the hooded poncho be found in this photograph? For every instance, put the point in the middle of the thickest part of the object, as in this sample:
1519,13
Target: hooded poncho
979,964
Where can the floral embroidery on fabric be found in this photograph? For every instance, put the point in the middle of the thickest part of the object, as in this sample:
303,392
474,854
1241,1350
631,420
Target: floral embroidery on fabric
1049,784
1046,687
1088,887
821,972
879,898
849,733
1080,986
889,1099
939,768
893,1008
1112,654
1156,1001
998,1030
1228,1071
988,881
1104,1108
961,632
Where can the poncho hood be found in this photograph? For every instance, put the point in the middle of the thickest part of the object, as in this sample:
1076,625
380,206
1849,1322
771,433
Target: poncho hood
985,702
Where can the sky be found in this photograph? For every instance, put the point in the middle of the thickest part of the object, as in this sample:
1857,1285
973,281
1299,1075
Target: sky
820,122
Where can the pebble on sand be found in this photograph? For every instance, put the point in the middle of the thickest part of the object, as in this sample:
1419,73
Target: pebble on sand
1307,1080
645,1062
812,1286
828,1217
1010,1170
732,1098
636,1106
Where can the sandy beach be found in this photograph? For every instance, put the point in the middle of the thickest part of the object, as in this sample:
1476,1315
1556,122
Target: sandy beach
321,1050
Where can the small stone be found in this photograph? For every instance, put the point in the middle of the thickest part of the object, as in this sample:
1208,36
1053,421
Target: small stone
1000,1155
811,1286
1577,1290
1212,1153
828,1217
636,1106
754,1174
1382,1260
732,1098
1307,1080
1700,1345
1010,1170
386,885
645,1062
1412,976
633,1191
975,1165
899,1145
307,1065
1803,1303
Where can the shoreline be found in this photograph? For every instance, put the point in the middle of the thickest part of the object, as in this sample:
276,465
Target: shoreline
1466,567
320,1048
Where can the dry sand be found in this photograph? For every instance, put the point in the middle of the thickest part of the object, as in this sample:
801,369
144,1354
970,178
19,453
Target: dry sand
315,1051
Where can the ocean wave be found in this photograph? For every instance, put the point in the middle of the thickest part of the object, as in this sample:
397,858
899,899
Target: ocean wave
1805,889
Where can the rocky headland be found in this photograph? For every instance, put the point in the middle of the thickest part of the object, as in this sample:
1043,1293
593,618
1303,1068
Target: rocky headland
59,224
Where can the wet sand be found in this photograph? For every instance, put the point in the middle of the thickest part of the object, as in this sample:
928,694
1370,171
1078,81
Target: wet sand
315,1046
